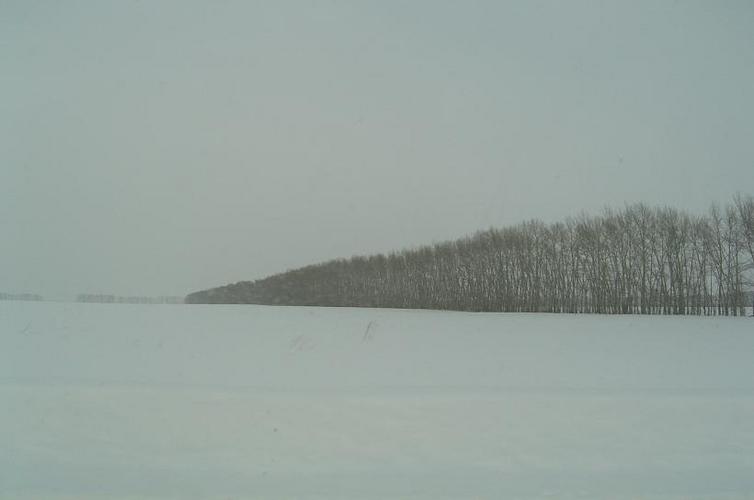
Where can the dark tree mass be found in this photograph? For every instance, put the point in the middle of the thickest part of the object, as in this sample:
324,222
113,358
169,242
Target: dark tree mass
638,260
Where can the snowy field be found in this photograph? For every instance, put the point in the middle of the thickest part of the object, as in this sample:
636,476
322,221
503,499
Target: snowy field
235,402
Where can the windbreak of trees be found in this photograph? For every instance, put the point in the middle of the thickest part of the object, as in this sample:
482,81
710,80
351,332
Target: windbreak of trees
21,296
638,260
117,299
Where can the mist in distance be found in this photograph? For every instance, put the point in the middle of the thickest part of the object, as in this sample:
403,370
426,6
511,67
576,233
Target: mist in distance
161,148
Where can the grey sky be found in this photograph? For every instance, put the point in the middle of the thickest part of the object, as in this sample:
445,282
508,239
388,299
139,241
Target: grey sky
159,147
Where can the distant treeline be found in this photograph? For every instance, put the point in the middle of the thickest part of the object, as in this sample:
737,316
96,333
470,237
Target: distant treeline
116,299
638,260
21,296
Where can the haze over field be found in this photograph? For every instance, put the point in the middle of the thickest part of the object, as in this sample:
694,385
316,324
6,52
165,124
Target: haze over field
157,148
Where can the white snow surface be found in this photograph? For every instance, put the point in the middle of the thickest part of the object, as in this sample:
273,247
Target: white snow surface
121,402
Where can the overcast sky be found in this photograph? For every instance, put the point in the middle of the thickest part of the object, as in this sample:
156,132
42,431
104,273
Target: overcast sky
156,147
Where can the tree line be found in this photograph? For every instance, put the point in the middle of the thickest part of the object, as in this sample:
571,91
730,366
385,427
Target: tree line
637,260
117,299
21,296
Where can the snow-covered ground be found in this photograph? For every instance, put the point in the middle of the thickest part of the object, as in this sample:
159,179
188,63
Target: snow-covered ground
233,402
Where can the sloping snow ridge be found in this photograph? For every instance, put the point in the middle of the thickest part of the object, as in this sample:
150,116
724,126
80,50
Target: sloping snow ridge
102,401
